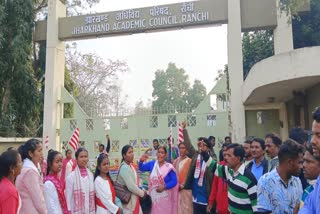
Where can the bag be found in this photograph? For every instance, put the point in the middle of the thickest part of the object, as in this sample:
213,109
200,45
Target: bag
122,192
146,204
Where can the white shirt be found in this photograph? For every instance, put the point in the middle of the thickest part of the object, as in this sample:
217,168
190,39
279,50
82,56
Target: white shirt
51,198
103,192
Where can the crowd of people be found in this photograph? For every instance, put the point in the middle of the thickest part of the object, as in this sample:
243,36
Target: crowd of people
257,176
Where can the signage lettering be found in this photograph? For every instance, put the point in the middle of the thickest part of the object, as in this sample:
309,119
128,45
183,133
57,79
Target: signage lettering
176,15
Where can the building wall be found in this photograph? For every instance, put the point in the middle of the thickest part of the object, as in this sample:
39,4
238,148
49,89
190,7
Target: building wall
261,122
290,113
139,131
5,143
313,100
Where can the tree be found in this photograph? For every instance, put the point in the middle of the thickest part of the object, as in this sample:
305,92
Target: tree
221,73
172,92
19,91
96,80
74,7
306,28
291,7
196,94
256,46
142,108
2,16
22,64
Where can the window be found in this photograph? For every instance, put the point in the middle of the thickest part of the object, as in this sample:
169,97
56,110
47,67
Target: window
191,120
107,124
73,124
133,143
222,102
145,143
260,117
64,145
115,145
211,120
163,142
124,123
81,144
213,102
89,124
172,121
153,121
225,105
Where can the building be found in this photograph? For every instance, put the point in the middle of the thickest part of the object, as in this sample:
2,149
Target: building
139,130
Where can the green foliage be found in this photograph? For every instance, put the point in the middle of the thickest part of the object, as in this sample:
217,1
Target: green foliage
196,94
74,7
69,84
171,89
221,73
2,15
256,46
291,7
306,29
19,92
73,89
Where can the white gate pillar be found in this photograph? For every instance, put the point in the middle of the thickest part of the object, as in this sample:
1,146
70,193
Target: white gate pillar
54,75
235,67
283,38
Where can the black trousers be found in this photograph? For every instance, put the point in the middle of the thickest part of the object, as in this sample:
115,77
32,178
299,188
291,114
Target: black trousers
199,208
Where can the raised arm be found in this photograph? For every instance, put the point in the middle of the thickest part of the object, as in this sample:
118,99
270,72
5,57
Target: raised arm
145,166
187,141
108,143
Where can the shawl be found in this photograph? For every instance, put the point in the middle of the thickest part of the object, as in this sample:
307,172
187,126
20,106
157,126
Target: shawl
79,194
60,190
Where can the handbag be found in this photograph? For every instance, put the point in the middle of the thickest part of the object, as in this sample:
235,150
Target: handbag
122,192
146,204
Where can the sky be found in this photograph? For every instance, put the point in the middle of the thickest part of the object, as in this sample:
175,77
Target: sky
201,52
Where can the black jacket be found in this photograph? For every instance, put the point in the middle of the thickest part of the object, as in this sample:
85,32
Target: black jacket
264,163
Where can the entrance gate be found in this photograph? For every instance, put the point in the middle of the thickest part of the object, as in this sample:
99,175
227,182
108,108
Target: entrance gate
240,15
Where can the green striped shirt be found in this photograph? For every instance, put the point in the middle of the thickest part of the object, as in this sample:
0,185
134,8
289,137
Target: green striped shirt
242,187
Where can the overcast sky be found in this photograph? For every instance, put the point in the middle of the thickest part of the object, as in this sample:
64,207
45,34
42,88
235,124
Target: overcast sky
200,51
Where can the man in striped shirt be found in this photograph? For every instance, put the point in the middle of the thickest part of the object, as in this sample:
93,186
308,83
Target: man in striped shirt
242,185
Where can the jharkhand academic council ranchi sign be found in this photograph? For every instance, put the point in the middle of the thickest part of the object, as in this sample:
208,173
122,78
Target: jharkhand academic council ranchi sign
177,15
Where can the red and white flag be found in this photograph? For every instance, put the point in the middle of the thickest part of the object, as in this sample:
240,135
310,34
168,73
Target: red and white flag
180,134
46,142
170,137
74,140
